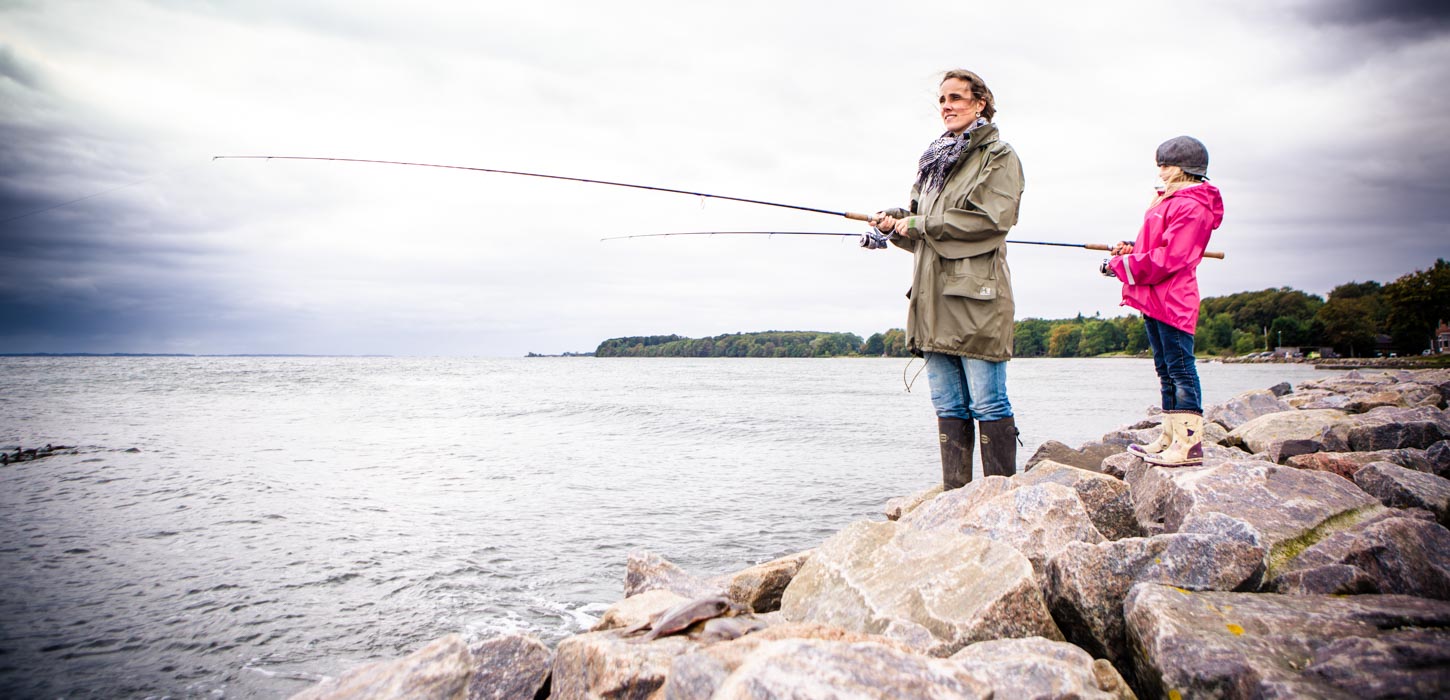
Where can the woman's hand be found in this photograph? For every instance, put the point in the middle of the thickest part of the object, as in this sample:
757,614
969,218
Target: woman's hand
883,223
1123,248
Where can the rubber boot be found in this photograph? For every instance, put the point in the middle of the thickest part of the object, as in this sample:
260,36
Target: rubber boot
1186,450
956,436
1165,439
999,446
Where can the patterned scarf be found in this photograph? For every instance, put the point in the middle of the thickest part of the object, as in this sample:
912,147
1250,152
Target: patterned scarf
941,155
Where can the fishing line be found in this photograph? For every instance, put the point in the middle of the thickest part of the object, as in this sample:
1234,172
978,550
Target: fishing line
142,181
1088,246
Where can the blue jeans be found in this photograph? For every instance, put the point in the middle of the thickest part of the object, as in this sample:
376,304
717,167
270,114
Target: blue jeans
965,387
1177,373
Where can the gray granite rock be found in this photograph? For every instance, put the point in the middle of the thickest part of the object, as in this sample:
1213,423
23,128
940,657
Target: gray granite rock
607,665
1255,645
1410,556
1398,487
897,508
637,609
1345,464
934,590
513,666
809,668
1037,520
1260,433
952,507
1034,667
647,571
1108,501
1438,456
1244,408
1090,456
1393,428
439,671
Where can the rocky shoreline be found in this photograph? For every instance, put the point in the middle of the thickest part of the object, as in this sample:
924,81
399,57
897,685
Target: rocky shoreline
1307,557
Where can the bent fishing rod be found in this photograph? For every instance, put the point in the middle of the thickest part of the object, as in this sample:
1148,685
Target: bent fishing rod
849,215
1090,246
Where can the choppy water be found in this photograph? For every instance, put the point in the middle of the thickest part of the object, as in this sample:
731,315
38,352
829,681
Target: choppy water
236,527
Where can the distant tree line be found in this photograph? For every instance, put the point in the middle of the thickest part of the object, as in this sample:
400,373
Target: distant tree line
1352,320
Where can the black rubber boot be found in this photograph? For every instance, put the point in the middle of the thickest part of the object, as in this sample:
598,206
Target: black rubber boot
957,438
999,447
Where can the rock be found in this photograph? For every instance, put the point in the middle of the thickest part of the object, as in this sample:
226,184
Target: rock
808,668
1034,667
1346,464
1037,520
1117,465
1251,645
515,666
606,665
897,508
759,587
1089,457
1392,555
637,609
1438,455
1393,428
1281,389
697,675
1108,501
1086,584
440,670
1222,527
1398,487
646,571
1244,408
1258,434
934,590
956,505
1291,509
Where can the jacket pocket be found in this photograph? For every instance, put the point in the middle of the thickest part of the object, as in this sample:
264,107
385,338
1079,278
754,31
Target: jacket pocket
973,278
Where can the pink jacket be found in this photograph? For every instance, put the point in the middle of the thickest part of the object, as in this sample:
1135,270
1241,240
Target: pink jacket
1160,276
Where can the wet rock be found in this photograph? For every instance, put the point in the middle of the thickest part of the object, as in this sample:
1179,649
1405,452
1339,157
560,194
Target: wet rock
1090,456
1291,509
1244,408
1086,584
1392,555
646,571
1398,487
934,590
808,668
1346,464
898,507
1108,501
515,666
606,665
759,587
1034,667
439,671
1393,428
1260,433
637,609
1037,520
1252,645
952,507
697,675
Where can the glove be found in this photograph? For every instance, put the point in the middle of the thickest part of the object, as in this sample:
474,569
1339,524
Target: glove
1107,271
873,240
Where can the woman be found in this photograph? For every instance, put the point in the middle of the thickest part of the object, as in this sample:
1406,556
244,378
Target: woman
960,311
1160,278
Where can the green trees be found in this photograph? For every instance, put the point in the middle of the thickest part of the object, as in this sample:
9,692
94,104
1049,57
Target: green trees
766,344
1414,306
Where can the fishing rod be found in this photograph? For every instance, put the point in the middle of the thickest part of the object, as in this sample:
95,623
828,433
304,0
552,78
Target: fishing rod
846,214
1090,246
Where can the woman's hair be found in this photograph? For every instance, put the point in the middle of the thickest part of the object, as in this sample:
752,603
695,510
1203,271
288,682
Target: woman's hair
979,89
1176,181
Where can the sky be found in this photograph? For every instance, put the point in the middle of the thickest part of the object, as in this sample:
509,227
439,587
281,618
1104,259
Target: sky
1325,123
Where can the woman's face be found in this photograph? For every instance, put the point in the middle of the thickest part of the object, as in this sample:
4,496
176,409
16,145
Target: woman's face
1166,173
958,109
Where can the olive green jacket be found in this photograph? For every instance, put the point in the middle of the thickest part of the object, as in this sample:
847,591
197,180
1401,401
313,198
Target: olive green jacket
961,292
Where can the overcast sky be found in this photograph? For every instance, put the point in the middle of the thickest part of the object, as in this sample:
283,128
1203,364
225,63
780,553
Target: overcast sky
1325,121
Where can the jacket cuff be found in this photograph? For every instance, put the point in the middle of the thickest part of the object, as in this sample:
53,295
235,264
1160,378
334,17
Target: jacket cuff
917,226
1119,264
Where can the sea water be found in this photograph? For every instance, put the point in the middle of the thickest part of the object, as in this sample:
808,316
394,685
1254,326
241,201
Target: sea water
240,527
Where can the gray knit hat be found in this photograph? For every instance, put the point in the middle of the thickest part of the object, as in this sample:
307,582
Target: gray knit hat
1185,152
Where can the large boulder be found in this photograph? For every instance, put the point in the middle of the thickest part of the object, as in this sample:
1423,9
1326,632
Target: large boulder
1346,464
1438,455
1290,509
1090,456
1244,408
809,668
1037,520
759,587
1255,645
607,665
1108,501
956,505
1398,487
897,508
1394,428
1260,434
439,671
697,675
1086,584
934,590
1390,555
513,666
1034,667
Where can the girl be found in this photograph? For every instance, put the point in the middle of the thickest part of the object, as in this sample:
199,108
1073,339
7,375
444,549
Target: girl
1159,272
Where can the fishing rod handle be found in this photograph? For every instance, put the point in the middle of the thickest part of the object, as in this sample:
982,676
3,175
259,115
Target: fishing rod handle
856,217
1217,255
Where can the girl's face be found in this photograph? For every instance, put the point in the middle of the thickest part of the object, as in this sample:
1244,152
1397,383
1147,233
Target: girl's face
1166,173
958,109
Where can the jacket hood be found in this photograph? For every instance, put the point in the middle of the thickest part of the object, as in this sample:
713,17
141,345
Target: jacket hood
1207,195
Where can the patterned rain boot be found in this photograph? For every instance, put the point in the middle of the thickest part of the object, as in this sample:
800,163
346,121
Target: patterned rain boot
1165,438
1186,450
957,437
999,447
